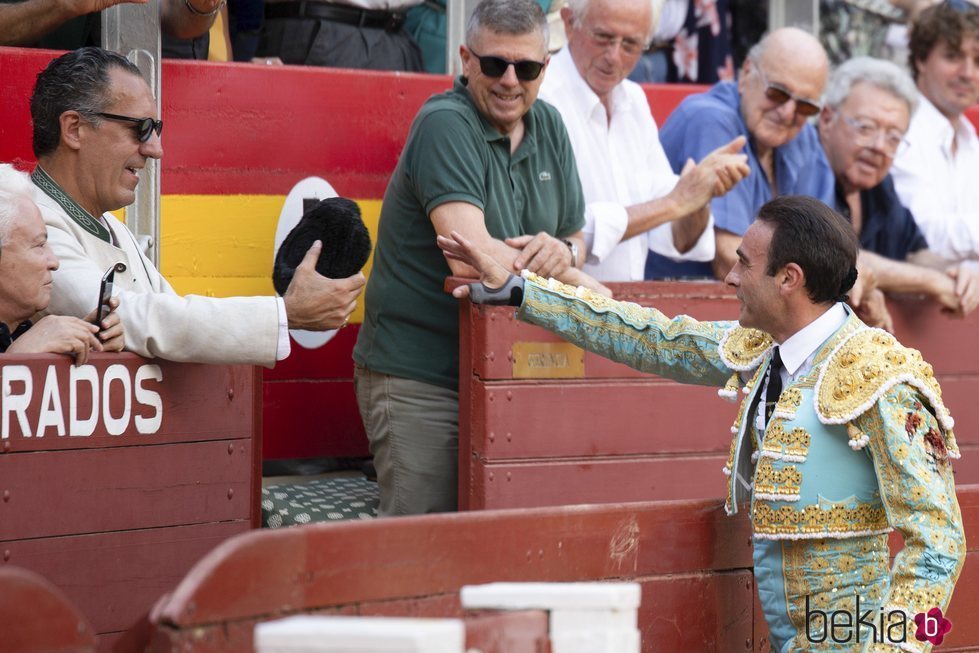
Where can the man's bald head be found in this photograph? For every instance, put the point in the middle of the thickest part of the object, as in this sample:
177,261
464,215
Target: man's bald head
786,63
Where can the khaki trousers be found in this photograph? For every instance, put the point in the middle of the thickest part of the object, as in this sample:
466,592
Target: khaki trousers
413,430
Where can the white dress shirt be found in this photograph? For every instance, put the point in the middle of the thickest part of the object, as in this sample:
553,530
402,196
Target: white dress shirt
941,190
620,163
799,351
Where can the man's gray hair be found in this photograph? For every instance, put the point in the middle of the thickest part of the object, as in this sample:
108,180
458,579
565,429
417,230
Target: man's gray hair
885,75
14,185
579,9
757,52
513,17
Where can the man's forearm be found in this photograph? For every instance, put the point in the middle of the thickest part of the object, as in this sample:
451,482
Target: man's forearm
687,230
900,277
651,214
23,23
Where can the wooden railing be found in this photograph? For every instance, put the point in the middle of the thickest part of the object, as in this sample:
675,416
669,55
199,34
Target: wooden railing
543,423
118,475
692,562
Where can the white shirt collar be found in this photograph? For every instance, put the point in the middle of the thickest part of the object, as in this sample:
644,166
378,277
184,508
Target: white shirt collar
804,343
939,129
579,93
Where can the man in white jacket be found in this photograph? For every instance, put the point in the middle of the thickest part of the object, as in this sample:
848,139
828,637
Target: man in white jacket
635,202
95,126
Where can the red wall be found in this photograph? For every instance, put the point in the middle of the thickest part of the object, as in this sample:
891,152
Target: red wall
248,129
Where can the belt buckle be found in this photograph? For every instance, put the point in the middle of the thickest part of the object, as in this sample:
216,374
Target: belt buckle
394,21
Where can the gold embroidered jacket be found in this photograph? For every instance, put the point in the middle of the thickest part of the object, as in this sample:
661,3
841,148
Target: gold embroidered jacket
860,445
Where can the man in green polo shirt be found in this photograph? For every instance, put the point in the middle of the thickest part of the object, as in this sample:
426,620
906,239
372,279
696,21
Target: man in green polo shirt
486,160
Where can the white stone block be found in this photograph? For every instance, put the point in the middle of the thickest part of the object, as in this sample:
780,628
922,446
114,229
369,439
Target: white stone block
327,634
594,619
609,641
552,596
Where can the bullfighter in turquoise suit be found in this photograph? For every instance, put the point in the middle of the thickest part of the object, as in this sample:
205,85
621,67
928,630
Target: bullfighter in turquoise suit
858,442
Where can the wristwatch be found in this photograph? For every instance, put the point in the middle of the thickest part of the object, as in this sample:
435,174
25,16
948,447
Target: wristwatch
574,251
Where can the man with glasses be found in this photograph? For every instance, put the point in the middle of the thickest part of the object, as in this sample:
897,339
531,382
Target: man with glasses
778,90
936,173
868,105
486,160
634,201
95,127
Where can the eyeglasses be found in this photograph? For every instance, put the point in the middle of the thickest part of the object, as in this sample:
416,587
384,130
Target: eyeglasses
779,95
869,132
604,40
144,126
526,70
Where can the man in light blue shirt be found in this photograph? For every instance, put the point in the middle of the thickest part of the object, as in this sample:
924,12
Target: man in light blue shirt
779,87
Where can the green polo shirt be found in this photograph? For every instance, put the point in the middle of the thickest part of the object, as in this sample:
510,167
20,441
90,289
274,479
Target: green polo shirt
411,327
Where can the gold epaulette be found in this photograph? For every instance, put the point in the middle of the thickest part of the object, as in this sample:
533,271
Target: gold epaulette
744,349
863,367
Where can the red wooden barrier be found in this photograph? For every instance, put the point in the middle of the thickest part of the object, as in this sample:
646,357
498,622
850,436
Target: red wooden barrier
543,423
692,562
523,631
35,617
118,475
259,130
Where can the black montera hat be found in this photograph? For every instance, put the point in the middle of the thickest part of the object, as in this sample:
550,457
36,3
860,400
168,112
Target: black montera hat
346,242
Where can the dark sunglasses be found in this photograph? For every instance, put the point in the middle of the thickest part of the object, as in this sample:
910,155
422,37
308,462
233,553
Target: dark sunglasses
779,95
526,70
144,126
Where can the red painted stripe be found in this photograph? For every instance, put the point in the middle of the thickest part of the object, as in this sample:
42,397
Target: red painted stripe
248,129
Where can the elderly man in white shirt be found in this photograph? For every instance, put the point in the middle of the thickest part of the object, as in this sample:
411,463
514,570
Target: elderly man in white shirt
937,172
635,202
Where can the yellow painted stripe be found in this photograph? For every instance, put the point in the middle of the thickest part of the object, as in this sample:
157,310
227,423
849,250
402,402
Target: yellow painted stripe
222,245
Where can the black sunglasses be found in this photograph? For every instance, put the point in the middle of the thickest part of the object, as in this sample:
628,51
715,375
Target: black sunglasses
526,70
144,126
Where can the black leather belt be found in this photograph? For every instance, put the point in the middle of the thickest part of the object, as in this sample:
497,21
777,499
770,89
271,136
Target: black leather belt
390,21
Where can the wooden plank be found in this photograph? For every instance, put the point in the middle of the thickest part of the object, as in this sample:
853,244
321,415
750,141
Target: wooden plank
114,578
693,564
318,364
495,329
124,488
521,631
324,565
468,417
693,613
962,609
120,400
619,417
386,568
37,618
595,480
305,419
597,418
